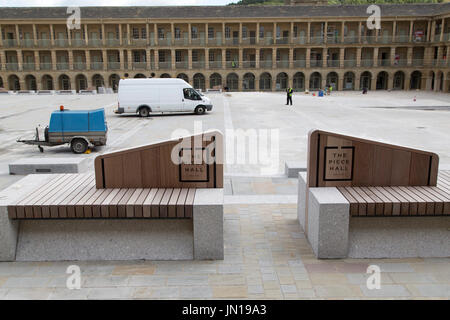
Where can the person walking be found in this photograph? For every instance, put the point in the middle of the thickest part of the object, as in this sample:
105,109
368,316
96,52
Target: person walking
289,92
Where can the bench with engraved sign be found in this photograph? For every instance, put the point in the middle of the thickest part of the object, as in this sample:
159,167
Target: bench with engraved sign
164,200
365,199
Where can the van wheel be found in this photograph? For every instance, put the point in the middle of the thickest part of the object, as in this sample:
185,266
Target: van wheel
200,110
144,112
78,146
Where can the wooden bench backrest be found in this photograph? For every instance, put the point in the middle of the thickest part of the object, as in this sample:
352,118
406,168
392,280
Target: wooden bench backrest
151,166
336,160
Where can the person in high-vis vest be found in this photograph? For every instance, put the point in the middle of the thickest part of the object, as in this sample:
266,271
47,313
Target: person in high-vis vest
289,92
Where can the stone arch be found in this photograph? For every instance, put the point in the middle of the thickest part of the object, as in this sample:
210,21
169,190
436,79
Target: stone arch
440,80
333,80
47,82
432,79
139,76
299,81
399,81
113,81
64,82
232,82
365,80
14,82
282,81
1,82
215,80
248,81
315,81
382,80
349,81
199,81
165,76
416,80
183,76
81,82
30,82
98,81
265,81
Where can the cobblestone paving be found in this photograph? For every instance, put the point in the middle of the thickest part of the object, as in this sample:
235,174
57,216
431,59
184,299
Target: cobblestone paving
266,257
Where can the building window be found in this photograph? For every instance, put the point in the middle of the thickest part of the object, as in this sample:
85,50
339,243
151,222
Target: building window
162,56
261,32
178,56
177,33
144,33
160,33
294,55
278,32
135,33
228,55
210,33
227,32
278,55
194,32
137,56
244,32
195,56
295,31
211,56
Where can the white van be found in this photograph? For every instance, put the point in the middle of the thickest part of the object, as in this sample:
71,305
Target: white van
144,96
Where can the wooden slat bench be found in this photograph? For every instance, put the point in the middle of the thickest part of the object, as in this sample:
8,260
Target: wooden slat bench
400,201
69,196
140,203
365,199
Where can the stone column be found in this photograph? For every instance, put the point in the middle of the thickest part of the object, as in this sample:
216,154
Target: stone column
257,34
341,58
172,30
206,36
37,62
324,57
156,53
18,34
103,35
409,56
358,57
359,31
172,58
121,59
224,58
148,54
189,34
274,83
128,40
241,58
441,38
394,31
240,33
88,59
407,81
433,30
308,35
69,37
53,53
70,60
411,28
373,82
35,35
357,81
274,33
291,59
274,58
1,37
189,59
86,34
325,32
342,33
428,31
120,35
207,59
308,58
105,60
392,56
291,34
257,52
130,60
3,62
155,31
307,74
147,30
375,57
223,32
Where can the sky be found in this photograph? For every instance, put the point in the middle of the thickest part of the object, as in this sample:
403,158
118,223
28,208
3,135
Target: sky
65,3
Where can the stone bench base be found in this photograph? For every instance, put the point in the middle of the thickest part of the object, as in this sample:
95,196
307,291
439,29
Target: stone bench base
199,238
333,233
48,165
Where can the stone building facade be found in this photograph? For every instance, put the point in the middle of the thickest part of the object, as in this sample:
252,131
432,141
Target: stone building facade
264,48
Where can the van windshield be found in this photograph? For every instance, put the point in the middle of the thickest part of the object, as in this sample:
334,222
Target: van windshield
191,94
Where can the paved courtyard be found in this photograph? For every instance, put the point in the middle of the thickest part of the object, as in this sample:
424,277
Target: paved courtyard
266,253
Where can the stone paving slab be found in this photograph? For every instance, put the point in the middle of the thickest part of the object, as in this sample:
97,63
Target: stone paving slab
266,257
